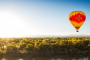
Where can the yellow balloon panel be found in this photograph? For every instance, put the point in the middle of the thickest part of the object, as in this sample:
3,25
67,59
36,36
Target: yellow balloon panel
76,24
76,12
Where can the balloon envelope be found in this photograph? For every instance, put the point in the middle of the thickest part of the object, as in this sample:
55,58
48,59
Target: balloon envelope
77,18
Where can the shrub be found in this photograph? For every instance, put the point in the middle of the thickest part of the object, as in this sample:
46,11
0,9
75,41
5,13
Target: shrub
0,52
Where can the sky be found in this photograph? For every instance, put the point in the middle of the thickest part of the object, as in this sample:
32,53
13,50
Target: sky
22,18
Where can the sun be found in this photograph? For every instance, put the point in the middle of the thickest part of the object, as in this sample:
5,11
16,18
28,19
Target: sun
11,24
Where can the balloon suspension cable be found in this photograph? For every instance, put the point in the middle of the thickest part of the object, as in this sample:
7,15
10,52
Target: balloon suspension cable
77,31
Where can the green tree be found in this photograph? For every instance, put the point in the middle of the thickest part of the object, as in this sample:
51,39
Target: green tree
45,47
11,48
29,47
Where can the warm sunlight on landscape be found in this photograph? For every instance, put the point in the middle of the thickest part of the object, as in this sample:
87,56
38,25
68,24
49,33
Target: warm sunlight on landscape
44,30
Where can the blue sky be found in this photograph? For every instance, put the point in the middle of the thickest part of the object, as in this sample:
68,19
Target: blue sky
20,18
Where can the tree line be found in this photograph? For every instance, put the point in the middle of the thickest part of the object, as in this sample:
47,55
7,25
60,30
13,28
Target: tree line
45,46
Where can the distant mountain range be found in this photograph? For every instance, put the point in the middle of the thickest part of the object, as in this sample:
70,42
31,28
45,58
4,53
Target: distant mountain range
79,35
72,35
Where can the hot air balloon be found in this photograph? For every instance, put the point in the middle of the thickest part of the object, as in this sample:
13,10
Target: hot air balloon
77,18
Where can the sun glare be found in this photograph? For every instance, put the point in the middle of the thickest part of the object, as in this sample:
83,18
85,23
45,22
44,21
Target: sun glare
11,24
